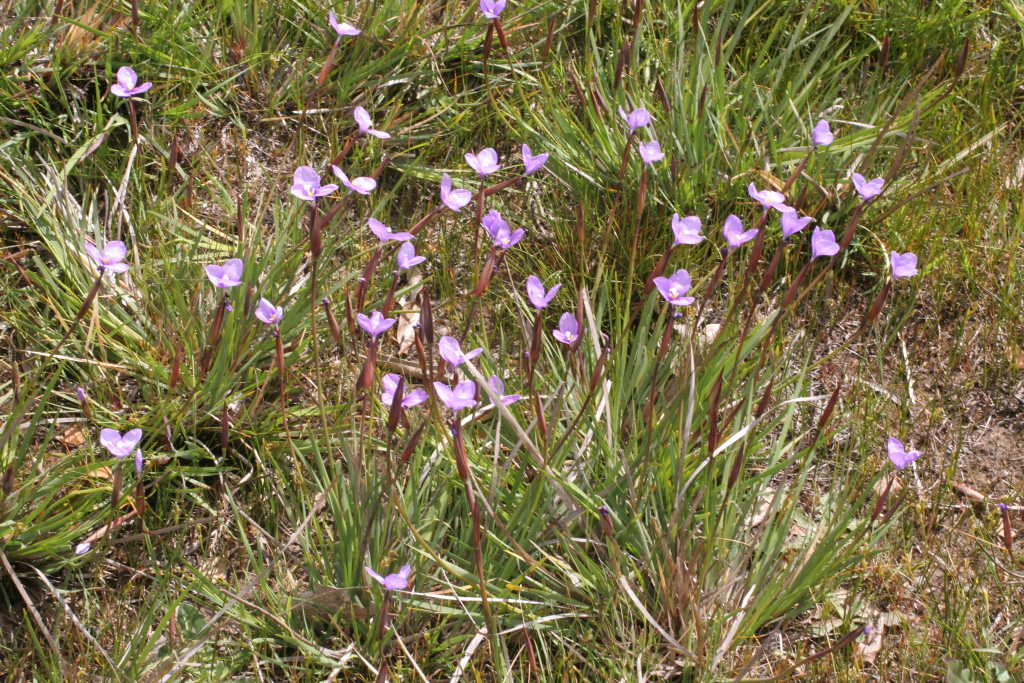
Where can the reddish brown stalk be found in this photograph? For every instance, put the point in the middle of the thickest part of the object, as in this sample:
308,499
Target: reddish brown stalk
349,143
755,253
134,120
315,244
658,270
218,322
328,64
625,158
438,210
427,317
366,377
659,91
7,482
367,279
501,37
716,394
769,273
796,172
488,39
225,429
534,360
826,415
712,285
793,288
410,446
389,300
637,10
349,318
176,366
115,487
1007,529
140,500
880,503
876,307
737,467
851,226
332,322
550,38
395,412
620,65
462,464
479,229
281,372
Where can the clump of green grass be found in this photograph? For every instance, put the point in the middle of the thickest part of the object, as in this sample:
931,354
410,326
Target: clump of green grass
671,494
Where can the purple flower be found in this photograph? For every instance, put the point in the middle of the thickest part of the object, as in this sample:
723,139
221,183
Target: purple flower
792,223
484,163
361,185
463,396
638,118
492,8
138,462
823,243
306,184
80,393
454,199
867,189
675,287
822,135
83,548
500,231
686,230
120,446
407,257
228,275
650,152
450,350
901,457
393,582
126,80
269,313
535,291
111,256
493,223
362,118
499,388
228,307
532,163
903,265
733,231
390,384
342,28
384,233
568,329
769,199
376,324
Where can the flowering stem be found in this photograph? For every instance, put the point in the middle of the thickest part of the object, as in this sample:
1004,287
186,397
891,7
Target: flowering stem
389,300
488,39
479,227
281,372
640,200
462,463
218,322
131,114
